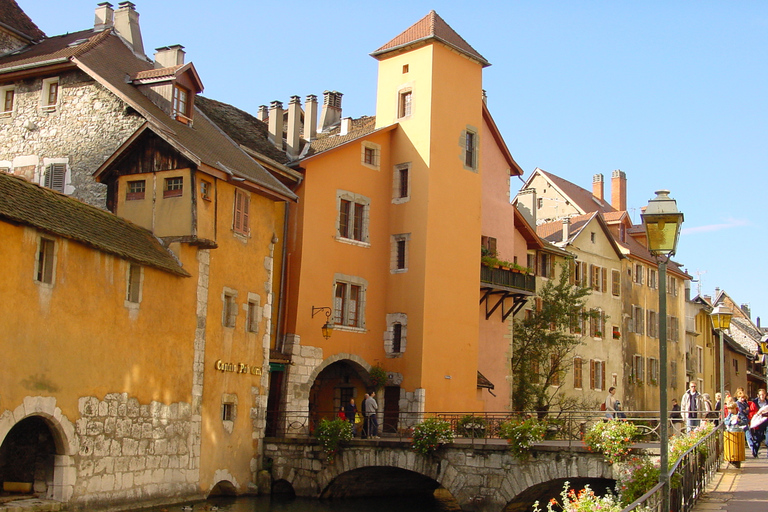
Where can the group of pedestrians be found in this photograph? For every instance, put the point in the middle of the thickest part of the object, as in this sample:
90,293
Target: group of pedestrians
745,424
367,424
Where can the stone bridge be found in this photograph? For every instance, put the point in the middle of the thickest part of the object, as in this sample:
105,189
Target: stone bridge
481,477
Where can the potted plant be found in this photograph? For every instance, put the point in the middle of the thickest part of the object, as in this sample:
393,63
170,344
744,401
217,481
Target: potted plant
377,376
430,434
521,435
331,433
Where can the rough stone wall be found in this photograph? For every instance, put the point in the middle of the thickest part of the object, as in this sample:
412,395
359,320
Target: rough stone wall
9,42
305,360
135,452
86,127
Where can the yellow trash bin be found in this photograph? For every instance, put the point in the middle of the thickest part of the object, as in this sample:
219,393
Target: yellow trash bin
734,446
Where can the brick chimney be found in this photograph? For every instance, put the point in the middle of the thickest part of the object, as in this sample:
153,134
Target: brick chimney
169,56
619,190
263,113
276,124
597,186
331,113
105,17
293,138
310,118
127,26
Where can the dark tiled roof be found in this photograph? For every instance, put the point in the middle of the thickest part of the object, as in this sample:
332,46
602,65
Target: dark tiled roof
553,231
203,142
329,140
242,127
429,27
53,48
25,203
14,17
483,382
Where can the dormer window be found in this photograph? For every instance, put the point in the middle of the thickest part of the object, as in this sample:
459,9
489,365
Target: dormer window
181,104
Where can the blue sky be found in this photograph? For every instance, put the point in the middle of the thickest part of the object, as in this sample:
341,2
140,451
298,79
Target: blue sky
671,92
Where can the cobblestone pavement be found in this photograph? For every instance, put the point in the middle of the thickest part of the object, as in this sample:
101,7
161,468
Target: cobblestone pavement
738,490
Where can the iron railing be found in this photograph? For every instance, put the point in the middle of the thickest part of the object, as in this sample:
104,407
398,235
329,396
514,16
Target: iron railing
688,477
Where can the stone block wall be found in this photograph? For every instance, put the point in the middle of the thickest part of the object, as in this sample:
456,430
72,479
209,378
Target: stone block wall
130,451
86,127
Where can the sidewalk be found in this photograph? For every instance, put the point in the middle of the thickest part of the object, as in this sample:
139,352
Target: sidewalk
738,490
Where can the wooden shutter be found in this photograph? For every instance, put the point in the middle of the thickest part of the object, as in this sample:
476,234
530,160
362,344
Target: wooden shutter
55,175
604,279
591,374
602,371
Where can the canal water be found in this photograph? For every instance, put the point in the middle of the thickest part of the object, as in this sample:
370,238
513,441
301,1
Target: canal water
286,504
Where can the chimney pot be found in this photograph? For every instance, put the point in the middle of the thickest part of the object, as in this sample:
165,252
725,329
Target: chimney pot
276,124
104,17
169,56
310,117
566,228
263,113
331,113
597,186
619,190
127,26
294,126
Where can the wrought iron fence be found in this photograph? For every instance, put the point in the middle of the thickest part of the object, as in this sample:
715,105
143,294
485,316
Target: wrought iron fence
688,477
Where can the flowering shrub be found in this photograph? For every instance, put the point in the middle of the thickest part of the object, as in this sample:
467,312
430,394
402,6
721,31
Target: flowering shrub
330,433
521,434
583,501
678,445
430,434
471,426
612,438
637,478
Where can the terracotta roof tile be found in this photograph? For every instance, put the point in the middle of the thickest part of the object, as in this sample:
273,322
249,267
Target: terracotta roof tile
331,139
14,17
431,26
156,73
29,204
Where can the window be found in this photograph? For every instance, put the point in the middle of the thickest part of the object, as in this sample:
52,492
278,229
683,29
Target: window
736,366
592,237
638,279
405,103
672,285
580,272
206,189
673,328
673,374
577,372
596,374
545,262
596,323
653,324
174,187
653,278
370,155
349,302
598,278
55,176
399,257
615,283
240,215
49,98
227,411
45,261
133,290
7,100
699,359
488,245
638,368
353,217
553,366
539,203
229,310
181,104
653,371
405,68
401,186
395,335
637,320
254,313
470,149
136,190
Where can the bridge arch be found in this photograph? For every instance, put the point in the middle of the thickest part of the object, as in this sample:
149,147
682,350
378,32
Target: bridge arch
38,429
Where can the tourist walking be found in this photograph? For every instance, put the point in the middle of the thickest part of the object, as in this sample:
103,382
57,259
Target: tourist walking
733,438
610,403
691,406
758,432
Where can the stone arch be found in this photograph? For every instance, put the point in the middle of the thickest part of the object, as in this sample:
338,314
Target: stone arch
354,358
542,492
63,435
223,488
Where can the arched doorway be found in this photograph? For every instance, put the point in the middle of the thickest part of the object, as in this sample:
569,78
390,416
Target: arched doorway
28,457
333,388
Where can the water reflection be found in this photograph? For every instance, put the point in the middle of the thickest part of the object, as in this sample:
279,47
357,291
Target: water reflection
286,504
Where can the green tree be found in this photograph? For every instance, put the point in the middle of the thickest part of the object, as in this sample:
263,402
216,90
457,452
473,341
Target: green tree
543,343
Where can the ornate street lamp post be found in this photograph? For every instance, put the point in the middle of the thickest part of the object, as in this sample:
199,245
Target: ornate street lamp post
721,321
662,222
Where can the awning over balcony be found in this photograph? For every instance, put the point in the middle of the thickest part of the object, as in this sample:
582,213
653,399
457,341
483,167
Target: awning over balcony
506,289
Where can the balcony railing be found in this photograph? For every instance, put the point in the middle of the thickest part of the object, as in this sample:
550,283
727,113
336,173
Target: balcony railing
507,278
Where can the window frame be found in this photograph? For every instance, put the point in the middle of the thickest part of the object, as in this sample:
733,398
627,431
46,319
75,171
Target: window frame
349,291
401,183
615,283
578,373
173,186
241,206
5,91
372,150
45,261
229,308
399,253
470,147
135,195
405,103
394,347
253,313
134,284
181,103
50,86
55,174
352,222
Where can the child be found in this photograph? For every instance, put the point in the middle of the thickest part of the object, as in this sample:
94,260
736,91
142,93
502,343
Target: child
734,438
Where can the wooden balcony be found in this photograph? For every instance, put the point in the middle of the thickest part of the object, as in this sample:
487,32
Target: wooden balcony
506,289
